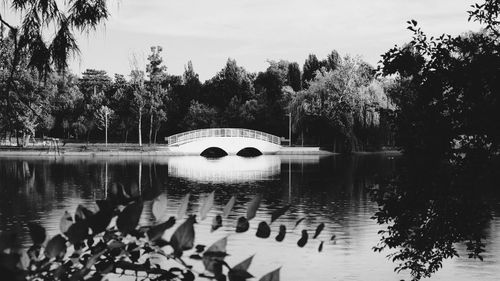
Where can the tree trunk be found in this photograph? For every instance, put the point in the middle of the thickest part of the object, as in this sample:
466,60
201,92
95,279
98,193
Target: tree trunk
140,133
106,125
126,135
156,134
150,128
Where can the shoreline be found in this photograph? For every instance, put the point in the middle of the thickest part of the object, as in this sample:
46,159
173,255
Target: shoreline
156,151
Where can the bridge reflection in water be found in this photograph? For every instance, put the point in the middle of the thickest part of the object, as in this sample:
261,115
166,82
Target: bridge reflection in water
225,169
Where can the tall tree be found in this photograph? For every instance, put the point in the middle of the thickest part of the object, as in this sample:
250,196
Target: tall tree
94,85
156,72
311,65
294,79
140,93
333,60
231,81
268,88
121,102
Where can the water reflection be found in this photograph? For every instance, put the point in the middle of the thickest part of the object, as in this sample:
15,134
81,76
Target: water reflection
332,190
428,208
229,169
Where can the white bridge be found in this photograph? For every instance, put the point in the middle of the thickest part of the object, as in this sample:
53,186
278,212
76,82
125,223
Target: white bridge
230,140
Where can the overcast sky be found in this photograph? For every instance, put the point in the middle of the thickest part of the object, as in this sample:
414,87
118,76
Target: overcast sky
254,31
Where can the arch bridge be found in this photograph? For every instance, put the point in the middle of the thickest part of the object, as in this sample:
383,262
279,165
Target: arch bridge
231,140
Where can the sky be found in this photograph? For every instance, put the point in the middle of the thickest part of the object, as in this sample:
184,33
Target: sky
208,32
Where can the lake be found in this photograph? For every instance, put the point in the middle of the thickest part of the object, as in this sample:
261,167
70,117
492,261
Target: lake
322,189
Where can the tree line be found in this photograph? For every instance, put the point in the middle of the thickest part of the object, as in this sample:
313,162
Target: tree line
338,102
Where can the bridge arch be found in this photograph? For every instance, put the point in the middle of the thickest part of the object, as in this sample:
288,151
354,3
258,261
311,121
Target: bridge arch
249,152
231,140
214,152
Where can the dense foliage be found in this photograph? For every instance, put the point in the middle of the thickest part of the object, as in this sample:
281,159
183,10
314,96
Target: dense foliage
447,116
162,104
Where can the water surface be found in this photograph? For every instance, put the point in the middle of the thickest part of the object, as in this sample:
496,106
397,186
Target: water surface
332,190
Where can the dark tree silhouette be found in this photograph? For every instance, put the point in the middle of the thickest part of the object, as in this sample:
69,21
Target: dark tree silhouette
447,123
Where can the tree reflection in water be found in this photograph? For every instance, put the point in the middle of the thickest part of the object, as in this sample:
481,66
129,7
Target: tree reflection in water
428,207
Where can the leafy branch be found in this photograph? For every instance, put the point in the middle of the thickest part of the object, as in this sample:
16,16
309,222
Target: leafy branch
111,241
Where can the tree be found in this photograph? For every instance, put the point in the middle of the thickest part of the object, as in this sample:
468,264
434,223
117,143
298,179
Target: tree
333,60
231,81
343,99
121,102
447,123
94,85
140,93
29,38
294,76
268,89
311,65
66,103
26,108
103,116
156,72
200,116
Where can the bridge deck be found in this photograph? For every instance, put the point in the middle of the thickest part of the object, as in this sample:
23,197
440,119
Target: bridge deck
182,138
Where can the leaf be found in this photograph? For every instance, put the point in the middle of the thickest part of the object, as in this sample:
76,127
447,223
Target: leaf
200,248
129,217
318,230
181,212
195,257
229,206
101,220
263,230
299,221
303,240
156,232
278,213
216,223
214,255
82,213
66,222
320,248
245,264
253,206
77,232
207,204
56,247
37,233
159,208
92,260
281,234
183,237
242,225
238,275
219,246
271,276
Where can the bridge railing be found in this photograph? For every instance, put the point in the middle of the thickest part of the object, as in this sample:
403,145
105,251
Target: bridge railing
221,132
